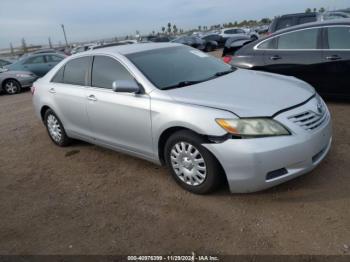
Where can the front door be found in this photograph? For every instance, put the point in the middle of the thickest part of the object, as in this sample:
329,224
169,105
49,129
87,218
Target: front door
120,120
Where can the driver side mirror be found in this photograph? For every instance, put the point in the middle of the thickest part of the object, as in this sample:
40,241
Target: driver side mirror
126,86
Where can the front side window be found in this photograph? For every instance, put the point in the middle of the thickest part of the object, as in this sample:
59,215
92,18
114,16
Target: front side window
174,67
106,70
303,39
339,37
76,70
35,60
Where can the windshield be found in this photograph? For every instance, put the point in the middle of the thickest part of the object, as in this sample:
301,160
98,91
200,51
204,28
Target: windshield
180,66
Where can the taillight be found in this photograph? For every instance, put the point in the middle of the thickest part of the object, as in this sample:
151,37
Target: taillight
227,59
32,89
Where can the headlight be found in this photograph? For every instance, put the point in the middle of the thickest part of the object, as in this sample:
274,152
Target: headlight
23,75
253,127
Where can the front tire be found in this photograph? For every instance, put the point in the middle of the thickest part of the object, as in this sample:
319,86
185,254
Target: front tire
55,129
192,166
12,87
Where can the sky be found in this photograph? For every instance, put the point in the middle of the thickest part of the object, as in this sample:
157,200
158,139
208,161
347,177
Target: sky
36,20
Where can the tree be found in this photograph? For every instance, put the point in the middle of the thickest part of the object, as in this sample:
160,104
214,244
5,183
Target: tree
308,10
199,28
174,29
169,28
163,29
153,32
24,46
315,10
322,10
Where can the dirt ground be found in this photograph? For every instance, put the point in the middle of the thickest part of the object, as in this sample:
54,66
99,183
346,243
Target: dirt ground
85,199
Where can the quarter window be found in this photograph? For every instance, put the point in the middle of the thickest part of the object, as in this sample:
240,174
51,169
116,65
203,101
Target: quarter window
339,37
303,39
76,70
268,44
106,70
58,78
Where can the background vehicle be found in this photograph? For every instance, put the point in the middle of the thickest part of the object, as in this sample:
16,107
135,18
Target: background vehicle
158,39
289,20
233,44
82,48
13,82
197,42
43,51
4,62
39,64
318,53
234,31
190,111
215,37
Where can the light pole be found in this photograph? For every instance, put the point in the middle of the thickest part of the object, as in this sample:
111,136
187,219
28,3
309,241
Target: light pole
64,33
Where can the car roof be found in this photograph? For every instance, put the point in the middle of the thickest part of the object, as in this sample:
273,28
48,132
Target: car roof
344,21
133,48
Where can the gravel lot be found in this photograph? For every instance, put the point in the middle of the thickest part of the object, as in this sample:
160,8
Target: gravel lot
88,200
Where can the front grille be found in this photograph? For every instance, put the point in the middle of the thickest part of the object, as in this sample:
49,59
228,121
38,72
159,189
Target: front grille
309,120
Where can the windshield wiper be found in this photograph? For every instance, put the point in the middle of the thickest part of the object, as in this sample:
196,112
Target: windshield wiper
224,72
181,84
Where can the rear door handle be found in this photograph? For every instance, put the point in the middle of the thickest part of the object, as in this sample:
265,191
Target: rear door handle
52,90
275,57
92,98
333,57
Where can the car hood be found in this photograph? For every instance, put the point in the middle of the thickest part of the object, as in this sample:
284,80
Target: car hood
246,93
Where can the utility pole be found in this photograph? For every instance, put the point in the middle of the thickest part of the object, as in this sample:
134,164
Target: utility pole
11,48
64,33
50,44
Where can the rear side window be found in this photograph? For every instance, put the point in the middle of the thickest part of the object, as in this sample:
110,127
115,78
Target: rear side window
58,78
76,71
339,37
268,44
35,60
53,58
303,39
106,70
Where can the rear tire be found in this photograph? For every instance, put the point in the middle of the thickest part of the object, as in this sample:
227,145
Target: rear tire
12,87
192,166
55,129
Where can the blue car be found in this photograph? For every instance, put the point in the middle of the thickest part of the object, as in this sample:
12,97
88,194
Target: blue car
39,64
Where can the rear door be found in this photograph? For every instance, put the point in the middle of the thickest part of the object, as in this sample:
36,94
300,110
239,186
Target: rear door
336,60
68,91
295,53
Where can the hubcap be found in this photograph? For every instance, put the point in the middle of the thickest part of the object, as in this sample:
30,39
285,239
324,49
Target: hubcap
54,128
11,87
188,163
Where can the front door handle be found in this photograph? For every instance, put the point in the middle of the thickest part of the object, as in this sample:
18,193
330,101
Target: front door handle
92,98
275,57
333,57
52,90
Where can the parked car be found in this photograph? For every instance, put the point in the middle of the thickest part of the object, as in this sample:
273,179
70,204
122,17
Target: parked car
233,44
318,53
4,62
39,64
174,105
289,20
215,37
82,48
158,39
42,51
12,82
234,31
197,42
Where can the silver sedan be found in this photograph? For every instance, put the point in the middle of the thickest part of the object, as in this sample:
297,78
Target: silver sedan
12,82
174,105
